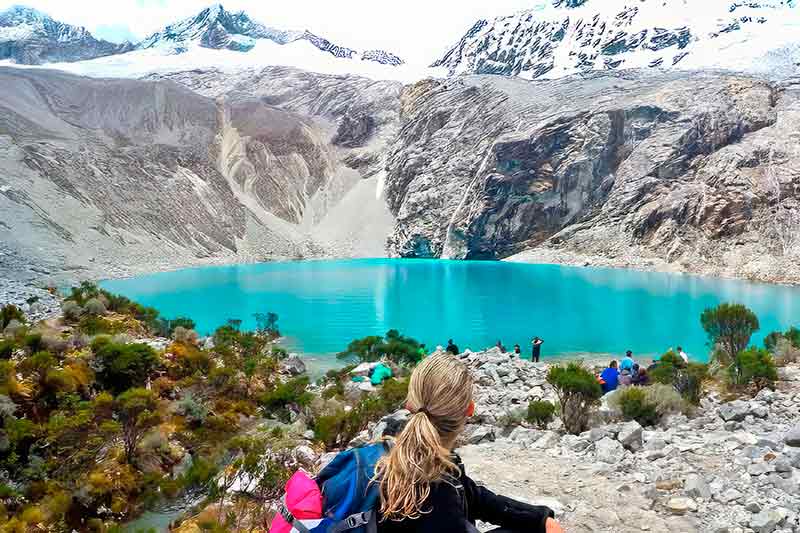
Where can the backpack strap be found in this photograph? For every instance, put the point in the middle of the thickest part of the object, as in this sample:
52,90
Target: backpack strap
354,521
291,520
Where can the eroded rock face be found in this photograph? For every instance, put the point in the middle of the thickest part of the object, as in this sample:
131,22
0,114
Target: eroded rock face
116,176
665,165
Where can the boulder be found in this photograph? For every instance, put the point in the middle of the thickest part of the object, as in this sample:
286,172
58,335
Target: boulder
525,436
390,425
696,487
792,437
478,434
305,455
359,440
630,435
294,366
766,521
734,411
364,369
608,451
681,505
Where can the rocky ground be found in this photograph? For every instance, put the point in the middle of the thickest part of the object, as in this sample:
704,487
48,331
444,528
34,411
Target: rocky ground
37,304
732,466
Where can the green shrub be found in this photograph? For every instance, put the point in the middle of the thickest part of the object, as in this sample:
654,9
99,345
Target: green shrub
393,394
193,411
7,348
729,328
511,419
95,307
633,403
72,310
754,366
291,392
540,413
393,346
123,366
97,325
8,313
686,379
33,342
578,391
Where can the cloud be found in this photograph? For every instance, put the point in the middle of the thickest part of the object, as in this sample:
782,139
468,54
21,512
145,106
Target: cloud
418,30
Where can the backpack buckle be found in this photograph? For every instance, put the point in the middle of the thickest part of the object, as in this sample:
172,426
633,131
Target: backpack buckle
357,520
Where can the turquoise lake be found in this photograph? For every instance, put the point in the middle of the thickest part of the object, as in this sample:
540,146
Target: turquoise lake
324,304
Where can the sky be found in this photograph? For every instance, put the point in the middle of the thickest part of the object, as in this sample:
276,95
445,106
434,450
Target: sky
420,31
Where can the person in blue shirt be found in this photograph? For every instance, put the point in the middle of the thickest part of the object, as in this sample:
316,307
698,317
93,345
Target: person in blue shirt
610,377
627,362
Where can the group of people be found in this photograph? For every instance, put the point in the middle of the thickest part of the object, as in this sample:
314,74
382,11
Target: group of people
628,372
536,349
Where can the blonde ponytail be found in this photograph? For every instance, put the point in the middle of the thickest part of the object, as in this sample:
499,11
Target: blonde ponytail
439,395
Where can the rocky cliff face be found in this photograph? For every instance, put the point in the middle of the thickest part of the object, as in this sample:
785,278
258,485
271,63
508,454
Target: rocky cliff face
30,37
122,176
695,169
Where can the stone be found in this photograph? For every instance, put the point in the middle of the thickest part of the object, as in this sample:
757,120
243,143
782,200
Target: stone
293,365
759,469
305,455
525,436
575,443
734,411
390,425
766,521
782,465
681,505
609,451
547,440
183,467
630,435
753,507
730,495
696,487
792,437
479,434
359,440
364,369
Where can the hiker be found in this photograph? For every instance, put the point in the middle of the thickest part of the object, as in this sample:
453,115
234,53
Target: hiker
610,377
501,347
536,349
451,348
683,355
625,378
423,484
641,378
627,362
517,350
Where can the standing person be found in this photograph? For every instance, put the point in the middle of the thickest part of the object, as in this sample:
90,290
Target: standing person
517,350
451,348
610,377
423,485
536,349
683,355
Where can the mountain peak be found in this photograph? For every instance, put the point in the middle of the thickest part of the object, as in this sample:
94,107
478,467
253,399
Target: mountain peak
19,14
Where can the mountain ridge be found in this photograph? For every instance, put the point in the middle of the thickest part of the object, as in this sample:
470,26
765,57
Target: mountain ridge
213,28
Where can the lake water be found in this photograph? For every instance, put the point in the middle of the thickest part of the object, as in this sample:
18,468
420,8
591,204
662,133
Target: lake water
324,304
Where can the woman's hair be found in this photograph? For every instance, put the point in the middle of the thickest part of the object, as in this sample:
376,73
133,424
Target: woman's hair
439,396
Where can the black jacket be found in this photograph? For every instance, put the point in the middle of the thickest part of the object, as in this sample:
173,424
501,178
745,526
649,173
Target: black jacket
455,505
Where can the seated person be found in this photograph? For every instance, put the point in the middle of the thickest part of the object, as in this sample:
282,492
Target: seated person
625,378
610,377
627,362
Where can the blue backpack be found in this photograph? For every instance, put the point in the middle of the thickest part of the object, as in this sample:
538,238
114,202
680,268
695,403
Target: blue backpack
349,497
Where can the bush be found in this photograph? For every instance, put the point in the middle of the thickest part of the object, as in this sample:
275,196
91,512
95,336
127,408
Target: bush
647,405
122,366
578,391
729,327
97,325
193,411
540,413
33,342
291,392
71,310
95,307
754,366
786,352
7,348
394,346
686,379
8,313
185,336
511,419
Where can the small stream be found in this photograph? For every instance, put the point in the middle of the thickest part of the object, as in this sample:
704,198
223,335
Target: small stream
160,518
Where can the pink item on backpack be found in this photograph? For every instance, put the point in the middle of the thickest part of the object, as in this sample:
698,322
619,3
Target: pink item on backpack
303,501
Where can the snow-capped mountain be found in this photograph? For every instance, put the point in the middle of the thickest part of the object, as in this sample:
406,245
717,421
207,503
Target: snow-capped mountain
568,36
30,37
218,29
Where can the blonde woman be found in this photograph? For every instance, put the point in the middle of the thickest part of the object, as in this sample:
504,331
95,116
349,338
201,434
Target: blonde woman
423,485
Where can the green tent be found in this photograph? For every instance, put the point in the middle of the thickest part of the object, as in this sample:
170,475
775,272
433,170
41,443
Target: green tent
380,373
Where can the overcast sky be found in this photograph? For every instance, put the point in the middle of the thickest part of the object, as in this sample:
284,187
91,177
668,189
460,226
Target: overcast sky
417,30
